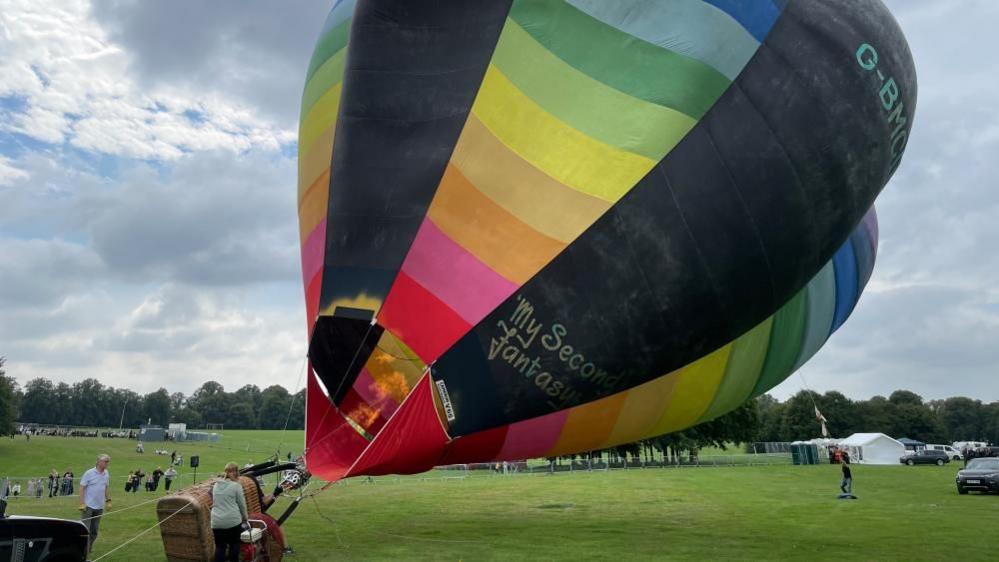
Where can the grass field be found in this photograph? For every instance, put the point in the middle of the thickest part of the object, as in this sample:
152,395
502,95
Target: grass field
743,513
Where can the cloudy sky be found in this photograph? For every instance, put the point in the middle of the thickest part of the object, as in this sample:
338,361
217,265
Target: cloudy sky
148,227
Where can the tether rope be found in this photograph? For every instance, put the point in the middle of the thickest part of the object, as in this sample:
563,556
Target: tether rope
133,539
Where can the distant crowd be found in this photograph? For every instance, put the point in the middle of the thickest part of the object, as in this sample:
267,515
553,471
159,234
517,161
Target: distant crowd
28,431
56,484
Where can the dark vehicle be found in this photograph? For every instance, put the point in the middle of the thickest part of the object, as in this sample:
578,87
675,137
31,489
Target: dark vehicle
40,539
926,456
981,475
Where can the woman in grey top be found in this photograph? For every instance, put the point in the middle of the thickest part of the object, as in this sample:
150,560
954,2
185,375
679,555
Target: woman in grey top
228,514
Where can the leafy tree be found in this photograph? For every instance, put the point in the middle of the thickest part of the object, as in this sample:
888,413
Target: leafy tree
274,404
840,413
91,403
64,409
177,401
297,420
798,419
900,397
874,414
8,400
249,394
39,403
188,416
241,416
211,402
771,411
156,407
961,418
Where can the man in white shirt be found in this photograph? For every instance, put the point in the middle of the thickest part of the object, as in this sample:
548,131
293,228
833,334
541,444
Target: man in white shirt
95,494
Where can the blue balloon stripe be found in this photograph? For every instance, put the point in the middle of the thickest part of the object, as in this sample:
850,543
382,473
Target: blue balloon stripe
861,241
845,262
757,16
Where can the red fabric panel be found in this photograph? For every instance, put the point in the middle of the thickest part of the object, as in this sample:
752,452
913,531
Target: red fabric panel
331,444
483,446
411,442
421,320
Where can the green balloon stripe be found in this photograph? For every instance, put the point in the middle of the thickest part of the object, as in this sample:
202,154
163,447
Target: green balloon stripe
594,108
821,308
327,76
329,45
624,62
785,342
744,366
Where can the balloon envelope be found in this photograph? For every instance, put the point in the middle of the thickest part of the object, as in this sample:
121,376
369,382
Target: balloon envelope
540,227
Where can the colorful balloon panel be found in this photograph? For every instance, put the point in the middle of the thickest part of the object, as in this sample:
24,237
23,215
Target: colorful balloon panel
593,221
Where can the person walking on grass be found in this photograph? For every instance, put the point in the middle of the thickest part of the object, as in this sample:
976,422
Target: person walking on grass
228,514
95,496
53,483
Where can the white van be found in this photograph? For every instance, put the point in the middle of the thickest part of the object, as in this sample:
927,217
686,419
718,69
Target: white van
951,451
962,445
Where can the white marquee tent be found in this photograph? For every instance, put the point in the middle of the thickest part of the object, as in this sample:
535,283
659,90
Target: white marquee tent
872,448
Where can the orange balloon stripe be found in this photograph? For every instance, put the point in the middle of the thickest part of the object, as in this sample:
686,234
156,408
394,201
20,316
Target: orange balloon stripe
487,231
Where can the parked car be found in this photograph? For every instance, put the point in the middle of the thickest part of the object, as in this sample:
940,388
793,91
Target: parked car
953,453
926,456
981,475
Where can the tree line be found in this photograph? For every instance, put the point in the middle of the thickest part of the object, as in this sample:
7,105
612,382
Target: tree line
901,414
89,403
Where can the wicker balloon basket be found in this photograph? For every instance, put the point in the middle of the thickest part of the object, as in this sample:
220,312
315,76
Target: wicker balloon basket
186,523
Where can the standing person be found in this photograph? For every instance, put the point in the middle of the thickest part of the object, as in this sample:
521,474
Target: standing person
173,457
95,495
168,477
228,514
139,478
846,485
31,487
39,487
157,474
67,481
53,483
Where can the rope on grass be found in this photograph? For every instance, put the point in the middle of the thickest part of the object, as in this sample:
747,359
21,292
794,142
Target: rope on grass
122,509
133,539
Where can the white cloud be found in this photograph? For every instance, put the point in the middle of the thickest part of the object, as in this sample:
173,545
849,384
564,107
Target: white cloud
10,174
76,85
184,268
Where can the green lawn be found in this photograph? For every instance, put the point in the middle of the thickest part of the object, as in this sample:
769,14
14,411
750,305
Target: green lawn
745,513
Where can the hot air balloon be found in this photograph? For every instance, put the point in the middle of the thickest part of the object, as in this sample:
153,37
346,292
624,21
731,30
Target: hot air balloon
540,227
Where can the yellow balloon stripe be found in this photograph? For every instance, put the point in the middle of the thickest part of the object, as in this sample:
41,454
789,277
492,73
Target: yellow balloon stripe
532,196
695,388
329,75
553,147
320,118
644,405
